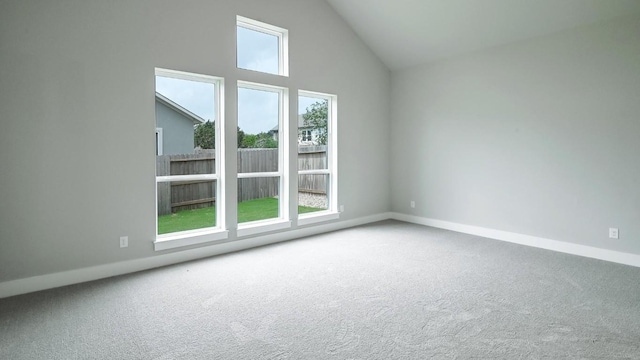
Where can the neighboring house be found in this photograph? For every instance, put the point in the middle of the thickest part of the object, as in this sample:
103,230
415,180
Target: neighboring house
174,127
307,135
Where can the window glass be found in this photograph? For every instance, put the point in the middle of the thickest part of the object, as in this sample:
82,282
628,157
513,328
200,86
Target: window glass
313,122
258,130
258,199
186,180
259,135
316,154
312,193
186,205
258,51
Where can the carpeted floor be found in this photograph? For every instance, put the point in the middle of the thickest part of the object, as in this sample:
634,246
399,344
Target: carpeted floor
388,290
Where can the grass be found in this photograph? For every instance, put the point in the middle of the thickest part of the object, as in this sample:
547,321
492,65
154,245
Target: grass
252,210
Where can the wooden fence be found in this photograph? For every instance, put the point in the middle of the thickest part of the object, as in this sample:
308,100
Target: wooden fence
185,195
257,160
311,158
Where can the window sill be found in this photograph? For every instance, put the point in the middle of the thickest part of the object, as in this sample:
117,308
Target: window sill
186,238
257,227
308,219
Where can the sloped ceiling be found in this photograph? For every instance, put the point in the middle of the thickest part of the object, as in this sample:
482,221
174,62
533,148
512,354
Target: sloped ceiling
411,32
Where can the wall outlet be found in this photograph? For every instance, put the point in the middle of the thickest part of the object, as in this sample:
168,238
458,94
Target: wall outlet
413,204
341,208
613,233
124,241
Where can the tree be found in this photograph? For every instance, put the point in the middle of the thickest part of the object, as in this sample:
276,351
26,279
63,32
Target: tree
204,135
265,141
316,117
260,141
249,141
241,136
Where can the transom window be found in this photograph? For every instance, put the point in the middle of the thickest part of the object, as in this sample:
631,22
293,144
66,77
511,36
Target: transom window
262,47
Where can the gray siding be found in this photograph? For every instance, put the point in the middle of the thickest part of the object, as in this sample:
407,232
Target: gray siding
177,130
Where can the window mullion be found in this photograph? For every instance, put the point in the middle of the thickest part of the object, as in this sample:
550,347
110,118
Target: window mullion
314,172
172,178
259,174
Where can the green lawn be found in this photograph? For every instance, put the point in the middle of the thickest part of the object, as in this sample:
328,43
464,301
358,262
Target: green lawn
252,210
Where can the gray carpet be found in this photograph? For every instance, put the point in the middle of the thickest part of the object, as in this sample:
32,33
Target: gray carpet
388,290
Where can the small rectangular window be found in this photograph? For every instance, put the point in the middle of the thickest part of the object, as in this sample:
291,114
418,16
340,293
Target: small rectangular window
305,136
261,47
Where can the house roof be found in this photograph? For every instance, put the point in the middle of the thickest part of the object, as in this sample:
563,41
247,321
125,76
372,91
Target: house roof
300,124
175,106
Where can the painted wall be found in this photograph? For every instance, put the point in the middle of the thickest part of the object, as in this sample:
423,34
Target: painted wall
77,172
540,137
177,130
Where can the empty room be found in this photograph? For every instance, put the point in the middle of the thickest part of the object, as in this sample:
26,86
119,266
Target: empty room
319,179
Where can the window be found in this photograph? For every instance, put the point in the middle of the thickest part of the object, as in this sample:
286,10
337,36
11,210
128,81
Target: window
190,147
261,47
317,161
305,135
262,163
189,161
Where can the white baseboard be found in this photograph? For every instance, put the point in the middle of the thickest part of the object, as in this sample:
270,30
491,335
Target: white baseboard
555,245
48,281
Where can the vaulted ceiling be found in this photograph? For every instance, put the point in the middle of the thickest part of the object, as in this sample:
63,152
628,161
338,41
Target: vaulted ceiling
410,32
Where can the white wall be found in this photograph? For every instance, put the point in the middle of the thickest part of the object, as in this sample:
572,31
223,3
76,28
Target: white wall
77,115
540,137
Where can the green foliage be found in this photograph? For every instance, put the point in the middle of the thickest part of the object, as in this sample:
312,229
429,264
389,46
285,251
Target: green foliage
316,117
241,136
262,140
249,141
204,135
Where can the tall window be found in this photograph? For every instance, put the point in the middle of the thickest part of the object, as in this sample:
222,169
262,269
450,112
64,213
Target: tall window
317,157
262,164
189,157
262,47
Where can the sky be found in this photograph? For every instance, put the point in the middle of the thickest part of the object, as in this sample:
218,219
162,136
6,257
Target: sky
195,96
257,110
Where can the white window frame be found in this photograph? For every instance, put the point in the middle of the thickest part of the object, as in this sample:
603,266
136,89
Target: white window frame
218,232
283,220
306,135
283,41
332,212
159,141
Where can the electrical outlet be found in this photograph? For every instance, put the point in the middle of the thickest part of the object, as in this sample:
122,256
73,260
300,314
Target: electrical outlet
613,233
413,204
124,241
341,208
